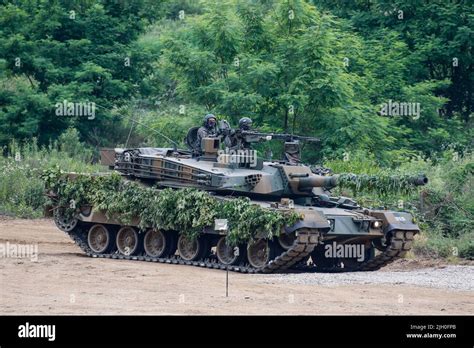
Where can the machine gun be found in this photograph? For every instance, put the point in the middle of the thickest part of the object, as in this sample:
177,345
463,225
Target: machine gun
242,139
238,139
252,136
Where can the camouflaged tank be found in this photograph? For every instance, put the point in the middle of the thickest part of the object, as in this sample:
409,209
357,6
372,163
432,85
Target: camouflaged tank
334,234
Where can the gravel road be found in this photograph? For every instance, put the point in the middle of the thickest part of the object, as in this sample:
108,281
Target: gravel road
450,277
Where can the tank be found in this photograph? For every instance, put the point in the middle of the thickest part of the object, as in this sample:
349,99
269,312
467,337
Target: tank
332,234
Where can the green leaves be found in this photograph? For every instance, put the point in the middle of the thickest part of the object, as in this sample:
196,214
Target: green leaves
187,211
381,184
79,52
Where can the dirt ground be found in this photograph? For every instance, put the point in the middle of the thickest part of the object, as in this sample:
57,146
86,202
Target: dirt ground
63,281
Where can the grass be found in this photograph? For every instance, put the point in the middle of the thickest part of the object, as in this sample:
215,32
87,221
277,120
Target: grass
21,189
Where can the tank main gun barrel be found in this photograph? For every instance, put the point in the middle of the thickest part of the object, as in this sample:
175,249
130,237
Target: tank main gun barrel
314,180
317,181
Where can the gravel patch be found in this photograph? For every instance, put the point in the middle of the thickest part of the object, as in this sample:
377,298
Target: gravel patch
458,278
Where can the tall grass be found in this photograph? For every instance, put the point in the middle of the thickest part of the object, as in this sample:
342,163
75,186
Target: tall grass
21,189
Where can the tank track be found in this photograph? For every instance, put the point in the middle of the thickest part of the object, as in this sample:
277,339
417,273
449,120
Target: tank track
400,243
304,244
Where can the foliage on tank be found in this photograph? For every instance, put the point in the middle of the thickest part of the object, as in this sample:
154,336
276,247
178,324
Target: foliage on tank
382,184
186,210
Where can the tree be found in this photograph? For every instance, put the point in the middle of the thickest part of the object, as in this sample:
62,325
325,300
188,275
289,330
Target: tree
80,52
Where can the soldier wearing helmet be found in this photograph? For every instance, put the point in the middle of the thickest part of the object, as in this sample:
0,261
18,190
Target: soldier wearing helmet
235,142
245,123
208,129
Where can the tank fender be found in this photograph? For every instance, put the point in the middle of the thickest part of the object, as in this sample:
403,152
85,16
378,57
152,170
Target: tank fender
393,220
312,219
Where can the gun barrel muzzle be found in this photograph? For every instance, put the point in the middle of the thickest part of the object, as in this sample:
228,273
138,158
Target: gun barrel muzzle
420,180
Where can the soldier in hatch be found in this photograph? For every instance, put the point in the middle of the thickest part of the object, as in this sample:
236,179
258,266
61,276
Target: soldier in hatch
235,142
208,129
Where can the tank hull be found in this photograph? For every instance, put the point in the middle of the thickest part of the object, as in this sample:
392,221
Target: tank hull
303,246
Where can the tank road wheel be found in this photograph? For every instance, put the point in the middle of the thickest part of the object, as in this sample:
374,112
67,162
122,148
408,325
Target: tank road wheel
260,252
192,249
159,243
66,224
226,254
127,240
286,240
99,239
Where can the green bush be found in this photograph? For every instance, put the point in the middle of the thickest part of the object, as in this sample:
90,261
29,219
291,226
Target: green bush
21,192
21,188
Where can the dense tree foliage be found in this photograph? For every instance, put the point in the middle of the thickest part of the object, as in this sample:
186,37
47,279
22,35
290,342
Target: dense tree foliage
321,68
63,50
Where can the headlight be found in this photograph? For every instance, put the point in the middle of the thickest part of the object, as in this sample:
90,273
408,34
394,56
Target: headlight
331,224
377,224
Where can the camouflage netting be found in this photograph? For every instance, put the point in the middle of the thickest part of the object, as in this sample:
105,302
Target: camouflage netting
187,210
379,184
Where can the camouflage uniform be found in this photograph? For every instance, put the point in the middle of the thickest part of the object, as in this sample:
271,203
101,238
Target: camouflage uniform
205,131
234,142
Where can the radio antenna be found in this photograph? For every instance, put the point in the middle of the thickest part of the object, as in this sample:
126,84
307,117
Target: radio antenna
175,144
